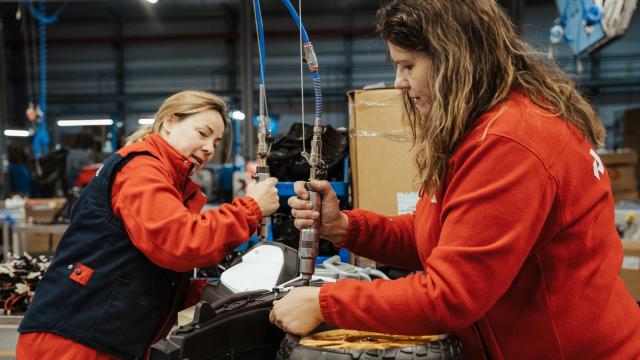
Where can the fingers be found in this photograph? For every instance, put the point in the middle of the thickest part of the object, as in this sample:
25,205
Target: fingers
297,203
305,214
274,319
300,190
302,223
301,211
271,181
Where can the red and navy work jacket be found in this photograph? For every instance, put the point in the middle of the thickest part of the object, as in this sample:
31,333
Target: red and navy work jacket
100,290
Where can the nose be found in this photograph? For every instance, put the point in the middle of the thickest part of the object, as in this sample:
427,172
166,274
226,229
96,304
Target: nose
401,82
208,148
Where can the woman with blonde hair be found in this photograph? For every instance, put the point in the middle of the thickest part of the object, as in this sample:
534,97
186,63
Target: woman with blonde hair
120,272
514,230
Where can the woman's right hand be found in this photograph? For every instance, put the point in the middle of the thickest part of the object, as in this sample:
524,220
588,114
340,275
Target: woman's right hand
265,194
334,222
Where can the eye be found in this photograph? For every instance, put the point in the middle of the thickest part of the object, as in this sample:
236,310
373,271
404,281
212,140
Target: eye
202,133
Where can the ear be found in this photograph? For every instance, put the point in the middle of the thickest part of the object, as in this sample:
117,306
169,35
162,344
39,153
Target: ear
168,124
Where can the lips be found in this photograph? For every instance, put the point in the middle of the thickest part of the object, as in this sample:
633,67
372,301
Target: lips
198,161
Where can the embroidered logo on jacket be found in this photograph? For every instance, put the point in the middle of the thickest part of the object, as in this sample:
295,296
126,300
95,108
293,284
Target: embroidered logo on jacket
598,168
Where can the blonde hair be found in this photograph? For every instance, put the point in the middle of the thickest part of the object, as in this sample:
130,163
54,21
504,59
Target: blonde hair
477,60
181,105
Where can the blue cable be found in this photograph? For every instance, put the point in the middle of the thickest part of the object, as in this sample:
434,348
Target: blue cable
41,137
296,19
591,13
314,74
41,16
258,15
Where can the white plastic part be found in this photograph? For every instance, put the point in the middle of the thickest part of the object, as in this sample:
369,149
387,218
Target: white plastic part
259,269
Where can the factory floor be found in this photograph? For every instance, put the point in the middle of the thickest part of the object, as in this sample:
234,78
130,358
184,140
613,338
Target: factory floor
8,336
8,339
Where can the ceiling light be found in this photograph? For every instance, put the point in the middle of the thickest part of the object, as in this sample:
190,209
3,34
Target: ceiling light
17,133
146,121
88,122
237,115
152,1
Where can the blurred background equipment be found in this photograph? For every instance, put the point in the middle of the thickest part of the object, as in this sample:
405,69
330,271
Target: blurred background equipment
588,25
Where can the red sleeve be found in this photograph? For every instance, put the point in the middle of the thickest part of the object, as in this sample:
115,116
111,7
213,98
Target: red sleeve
386,239
491,218
166,231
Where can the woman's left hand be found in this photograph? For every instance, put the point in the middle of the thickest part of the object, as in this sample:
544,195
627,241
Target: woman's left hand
298,312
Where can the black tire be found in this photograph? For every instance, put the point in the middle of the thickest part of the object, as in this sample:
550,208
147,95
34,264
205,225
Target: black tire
449,348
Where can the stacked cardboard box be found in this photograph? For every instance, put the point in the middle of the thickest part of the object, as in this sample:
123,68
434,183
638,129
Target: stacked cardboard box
631,133
42,211
380,147
621,166
383,175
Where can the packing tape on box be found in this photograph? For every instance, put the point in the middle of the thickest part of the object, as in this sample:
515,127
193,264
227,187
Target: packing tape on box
395,135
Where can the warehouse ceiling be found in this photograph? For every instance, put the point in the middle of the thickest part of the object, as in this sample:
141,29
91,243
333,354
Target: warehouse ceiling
128,10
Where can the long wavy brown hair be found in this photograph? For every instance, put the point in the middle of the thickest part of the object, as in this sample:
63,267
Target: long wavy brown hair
477,59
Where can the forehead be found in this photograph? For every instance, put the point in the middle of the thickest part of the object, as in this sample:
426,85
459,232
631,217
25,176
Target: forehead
400,54
396,52
208,118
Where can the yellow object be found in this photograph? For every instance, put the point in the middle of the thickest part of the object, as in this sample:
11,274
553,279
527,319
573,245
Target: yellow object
361,340
630,218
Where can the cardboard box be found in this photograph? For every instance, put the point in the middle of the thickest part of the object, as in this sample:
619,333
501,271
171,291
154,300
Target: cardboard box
42,211
621,166
623,178
382,168
625,156
630,272
631,132
37,244
625,195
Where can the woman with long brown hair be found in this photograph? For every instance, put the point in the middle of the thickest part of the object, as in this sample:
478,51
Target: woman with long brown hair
514,230
121,271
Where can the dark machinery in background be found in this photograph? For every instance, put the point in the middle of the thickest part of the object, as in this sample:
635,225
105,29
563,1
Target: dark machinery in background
588,25
288,165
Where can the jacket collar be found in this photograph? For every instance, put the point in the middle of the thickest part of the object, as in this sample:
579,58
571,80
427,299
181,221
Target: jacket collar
178,164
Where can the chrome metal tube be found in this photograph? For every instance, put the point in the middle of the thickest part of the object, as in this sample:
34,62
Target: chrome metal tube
309,237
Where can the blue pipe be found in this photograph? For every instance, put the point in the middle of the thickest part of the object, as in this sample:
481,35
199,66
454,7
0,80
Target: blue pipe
41,137
41,16
258,15
314,74
296,18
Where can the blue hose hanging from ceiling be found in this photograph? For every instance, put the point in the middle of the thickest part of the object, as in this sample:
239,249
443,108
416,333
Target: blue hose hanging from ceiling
260,30
310,57
41,137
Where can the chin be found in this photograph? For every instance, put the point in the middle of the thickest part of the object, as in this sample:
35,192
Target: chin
424,110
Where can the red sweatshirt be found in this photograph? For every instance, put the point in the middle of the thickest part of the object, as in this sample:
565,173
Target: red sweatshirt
519,250
160,208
